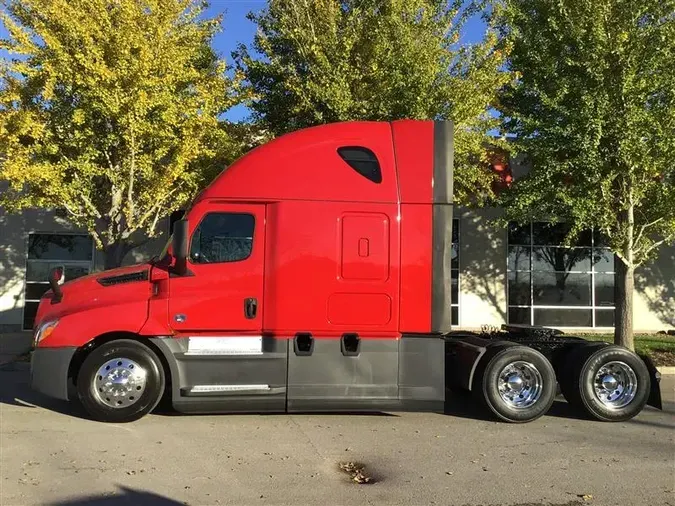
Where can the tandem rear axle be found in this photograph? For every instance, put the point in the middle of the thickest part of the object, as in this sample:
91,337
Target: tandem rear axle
514,372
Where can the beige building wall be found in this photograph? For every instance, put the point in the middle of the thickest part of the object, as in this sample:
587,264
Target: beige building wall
482,264
654,302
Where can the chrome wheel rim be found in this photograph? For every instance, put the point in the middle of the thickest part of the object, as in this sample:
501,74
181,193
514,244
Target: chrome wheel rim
520,384
615,385
119,383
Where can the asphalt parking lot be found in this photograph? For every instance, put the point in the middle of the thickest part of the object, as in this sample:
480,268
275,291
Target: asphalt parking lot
51,455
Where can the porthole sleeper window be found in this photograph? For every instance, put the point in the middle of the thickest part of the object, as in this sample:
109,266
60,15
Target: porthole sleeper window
363,161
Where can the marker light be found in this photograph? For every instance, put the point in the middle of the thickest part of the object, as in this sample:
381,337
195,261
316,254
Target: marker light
44,331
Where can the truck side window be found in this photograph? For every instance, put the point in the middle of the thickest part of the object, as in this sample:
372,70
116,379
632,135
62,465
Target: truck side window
363,161
222,237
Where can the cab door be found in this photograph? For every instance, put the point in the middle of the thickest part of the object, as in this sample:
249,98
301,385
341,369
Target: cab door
216,311
223,288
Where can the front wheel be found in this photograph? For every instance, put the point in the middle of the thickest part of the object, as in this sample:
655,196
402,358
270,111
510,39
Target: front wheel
517,384
120,381
609,383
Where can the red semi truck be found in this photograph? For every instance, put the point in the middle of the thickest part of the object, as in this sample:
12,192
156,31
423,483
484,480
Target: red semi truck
314,274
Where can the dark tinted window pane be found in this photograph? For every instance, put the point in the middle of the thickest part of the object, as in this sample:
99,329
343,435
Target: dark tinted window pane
454,261
600,239
455,287
561,259
604,289
75,271
604,318
455,231
603,260
553,234
223,237
561,289
519,315
35,290
518,234
454,315
563,317
363,161
549,234
38,271
519,258
29,312
59,247
584,238
519,288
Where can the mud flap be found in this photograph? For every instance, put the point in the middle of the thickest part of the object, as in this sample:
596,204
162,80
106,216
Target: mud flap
655,378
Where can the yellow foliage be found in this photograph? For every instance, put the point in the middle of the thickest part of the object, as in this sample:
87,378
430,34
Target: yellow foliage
109,109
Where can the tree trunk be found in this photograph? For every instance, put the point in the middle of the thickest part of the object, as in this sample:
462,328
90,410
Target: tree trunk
113,254
624,280
623,295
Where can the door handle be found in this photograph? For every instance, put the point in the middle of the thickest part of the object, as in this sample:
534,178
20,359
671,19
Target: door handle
250,307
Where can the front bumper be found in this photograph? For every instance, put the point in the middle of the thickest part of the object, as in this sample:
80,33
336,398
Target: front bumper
49,371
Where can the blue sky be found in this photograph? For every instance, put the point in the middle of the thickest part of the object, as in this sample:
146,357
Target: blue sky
236,29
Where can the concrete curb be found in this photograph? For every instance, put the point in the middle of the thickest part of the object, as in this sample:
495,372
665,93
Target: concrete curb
666,370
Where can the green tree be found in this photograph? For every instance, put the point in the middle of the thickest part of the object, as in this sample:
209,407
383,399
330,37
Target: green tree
593,109
109,109
321,61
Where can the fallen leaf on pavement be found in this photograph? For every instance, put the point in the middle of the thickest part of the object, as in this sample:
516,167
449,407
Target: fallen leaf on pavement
356,470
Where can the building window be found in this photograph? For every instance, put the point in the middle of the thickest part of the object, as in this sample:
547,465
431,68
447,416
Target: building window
363,161
454,269
551,285
75,252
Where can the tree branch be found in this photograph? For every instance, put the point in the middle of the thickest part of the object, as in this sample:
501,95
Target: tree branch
644,227
111,166
130,187
645,252
154,222
154,209
76,215
90,205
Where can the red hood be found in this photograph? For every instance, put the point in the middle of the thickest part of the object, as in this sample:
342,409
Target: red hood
96,289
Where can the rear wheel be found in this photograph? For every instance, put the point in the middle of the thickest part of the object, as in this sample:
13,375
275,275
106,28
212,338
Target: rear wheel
608,383
517,384
120,381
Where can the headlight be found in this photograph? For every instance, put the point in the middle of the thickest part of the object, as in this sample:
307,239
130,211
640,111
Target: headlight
44,330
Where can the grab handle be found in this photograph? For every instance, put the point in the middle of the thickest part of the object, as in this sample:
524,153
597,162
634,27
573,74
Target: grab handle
303,344
350,344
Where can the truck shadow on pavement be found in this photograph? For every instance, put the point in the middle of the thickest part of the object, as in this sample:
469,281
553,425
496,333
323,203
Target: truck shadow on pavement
127,497
15,390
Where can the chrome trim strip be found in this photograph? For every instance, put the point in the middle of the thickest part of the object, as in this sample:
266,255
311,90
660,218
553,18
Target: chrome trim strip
225,388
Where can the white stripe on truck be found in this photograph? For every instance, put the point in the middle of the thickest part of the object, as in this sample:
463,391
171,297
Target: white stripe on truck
230,345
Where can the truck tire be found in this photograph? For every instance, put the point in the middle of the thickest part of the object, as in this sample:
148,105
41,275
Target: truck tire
566,367
517,384
120,381
609,383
